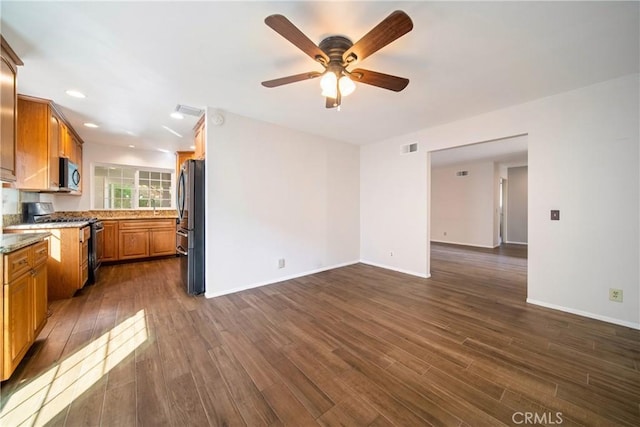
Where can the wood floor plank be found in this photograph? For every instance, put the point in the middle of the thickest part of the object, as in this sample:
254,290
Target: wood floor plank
418,403
357,345
290,411
250,402
351,411
120,406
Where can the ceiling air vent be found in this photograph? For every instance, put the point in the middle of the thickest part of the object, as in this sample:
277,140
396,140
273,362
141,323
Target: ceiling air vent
189,111
410,148
462,173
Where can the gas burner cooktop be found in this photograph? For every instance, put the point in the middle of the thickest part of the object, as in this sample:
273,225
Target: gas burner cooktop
43,213
47,220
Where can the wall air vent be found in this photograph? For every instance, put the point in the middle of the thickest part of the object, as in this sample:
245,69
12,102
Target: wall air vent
410,148
462,173
189,111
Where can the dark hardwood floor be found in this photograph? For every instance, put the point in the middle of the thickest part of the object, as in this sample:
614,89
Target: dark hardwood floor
354,346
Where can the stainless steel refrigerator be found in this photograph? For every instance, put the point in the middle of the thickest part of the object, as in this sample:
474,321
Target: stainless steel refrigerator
191,234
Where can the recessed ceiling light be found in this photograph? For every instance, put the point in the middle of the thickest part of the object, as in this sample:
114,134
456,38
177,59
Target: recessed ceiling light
132,146
91,125
162,150
167,128
176,115
75,93
193,147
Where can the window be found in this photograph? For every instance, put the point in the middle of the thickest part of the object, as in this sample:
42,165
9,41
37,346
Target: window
130,187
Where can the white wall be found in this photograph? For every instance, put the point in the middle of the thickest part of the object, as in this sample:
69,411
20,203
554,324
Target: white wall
583,160
276,193
463,207
393,207
99,153
517,223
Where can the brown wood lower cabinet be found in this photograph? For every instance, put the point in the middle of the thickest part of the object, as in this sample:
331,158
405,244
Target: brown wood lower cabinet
110,241
68,260
141,238
134,244
24,303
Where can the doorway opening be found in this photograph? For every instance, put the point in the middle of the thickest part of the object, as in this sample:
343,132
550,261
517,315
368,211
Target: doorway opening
472,202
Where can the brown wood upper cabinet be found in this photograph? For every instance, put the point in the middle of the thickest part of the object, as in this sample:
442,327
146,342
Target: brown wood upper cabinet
9,63
200,139
43,137
181,156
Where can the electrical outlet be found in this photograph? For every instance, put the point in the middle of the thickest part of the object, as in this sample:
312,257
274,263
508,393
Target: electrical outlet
281,263
390,253
615,295
445,233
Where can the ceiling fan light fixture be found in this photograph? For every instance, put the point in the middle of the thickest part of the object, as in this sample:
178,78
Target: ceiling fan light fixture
346,86
329,84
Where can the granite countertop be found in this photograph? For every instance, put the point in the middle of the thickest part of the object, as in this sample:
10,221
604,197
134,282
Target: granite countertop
129,217
116,214
13,242
48,225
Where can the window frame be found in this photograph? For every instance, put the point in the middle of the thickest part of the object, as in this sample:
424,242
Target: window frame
135,197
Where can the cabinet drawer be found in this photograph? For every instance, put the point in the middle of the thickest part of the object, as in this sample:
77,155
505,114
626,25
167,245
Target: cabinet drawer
16,264
85,252
40,253
147,224
85,234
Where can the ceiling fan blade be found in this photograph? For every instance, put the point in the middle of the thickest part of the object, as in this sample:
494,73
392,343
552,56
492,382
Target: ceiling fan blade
291,79
391,28
385,81
286,29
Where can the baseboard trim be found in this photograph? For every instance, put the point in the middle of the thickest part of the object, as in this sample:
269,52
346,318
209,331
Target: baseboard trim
516,243
464,244
278,280
399,270
582,313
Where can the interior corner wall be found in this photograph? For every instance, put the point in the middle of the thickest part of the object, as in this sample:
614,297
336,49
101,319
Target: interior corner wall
274,193
393,206
584,151
517,202
462,207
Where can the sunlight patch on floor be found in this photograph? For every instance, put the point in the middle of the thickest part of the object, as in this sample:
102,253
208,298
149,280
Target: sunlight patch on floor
37,402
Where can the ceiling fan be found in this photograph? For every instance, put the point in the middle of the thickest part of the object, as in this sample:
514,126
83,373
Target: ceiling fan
337,53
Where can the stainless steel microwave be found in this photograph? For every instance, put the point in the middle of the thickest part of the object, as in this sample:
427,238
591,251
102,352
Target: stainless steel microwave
69,175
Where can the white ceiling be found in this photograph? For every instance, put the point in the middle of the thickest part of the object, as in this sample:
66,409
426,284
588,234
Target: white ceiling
137,60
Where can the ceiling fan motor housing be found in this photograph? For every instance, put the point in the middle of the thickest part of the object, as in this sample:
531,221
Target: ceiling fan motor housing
335,47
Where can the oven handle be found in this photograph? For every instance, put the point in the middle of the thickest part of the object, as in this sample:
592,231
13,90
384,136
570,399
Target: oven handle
181,251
